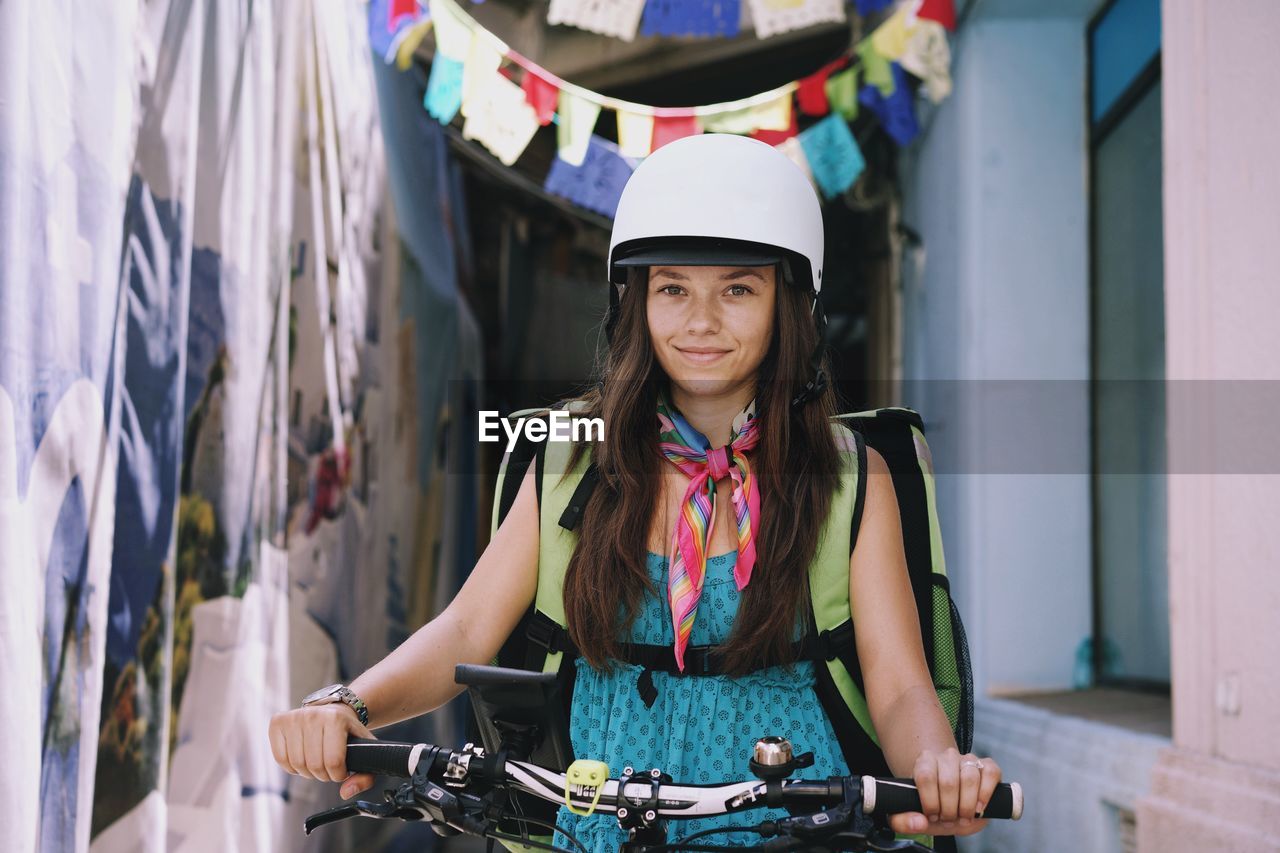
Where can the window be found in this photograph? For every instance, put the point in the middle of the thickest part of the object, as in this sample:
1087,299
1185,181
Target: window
1130,589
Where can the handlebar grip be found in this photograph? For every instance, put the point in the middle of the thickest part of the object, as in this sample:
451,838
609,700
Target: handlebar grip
891,796
385,758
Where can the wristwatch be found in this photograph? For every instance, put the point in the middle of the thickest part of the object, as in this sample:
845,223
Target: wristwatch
339,693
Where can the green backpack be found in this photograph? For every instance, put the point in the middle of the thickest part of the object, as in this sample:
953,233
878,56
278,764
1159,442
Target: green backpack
541,643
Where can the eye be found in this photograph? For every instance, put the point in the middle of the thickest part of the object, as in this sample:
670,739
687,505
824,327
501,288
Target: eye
739,290
672,289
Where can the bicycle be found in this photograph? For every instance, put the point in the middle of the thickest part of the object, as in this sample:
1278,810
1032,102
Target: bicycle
471,791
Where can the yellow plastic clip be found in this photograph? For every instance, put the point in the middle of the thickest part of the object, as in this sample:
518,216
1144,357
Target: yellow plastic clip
586,778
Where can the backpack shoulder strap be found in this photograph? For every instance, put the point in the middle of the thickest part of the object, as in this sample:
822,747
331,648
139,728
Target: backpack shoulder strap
515,462
564,495
832,614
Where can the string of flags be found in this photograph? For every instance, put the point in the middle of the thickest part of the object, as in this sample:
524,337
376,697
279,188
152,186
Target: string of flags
504,98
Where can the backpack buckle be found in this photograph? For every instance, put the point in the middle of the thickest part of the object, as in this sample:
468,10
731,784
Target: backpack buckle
835,642
543,631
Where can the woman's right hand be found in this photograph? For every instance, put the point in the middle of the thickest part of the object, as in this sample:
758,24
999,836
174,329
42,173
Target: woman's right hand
312,742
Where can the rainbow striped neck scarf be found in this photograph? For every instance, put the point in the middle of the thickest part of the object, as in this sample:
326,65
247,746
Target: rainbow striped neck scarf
688,449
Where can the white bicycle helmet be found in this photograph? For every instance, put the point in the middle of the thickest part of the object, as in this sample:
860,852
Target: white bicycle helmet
718,199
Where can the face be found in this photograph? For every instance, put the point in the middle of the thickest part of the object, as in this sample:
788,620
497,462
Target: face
711,326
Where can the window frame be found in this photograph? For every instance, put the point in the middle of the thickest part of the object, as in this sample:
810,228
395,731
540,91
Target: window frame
1096,133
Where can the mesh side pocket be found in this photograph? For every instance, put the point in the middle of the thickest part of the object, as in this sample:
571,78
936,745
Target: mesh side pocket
952,672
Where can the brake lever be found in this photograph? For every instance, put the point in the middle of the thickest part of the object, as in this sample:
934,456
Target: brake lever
883,841
360,808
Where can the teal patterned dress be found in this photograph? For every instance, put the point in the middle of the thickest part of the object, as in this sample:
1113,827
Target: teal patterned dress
700,729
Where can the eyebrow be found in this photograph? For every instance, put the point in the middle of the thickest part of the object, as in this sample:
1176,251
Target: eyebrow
729,276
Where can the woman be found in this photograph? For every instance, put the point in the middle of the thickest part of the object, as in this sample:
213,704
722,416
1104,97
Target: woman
717,473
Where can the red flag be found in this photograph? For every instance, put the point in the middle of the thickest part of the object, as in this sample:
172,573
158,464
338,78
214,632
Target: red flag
811,97
541,95
777,137
670,129
399,9
942,11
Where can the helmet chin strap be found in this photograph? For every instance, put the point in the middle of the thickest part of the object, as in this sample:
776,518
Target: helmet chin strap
812,389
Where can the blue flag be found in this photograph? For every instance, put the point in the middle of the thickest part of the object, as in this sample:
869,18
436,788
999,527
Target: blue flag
444,89
691,18
897,112
867,7
833,155
596,184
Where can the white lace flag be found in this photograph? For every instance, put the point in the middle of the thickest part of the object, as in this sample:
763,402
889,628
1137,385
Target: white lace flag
500,119
779,16
453,33
481,66
617,18
928,56
795,152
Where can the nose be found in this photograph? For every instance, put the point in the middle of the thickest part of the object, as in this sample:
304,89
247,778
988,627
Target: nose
703,317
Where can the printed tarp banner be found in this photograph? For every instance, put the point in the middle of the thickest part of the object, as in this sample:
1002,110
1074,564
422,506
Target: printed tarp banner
214,372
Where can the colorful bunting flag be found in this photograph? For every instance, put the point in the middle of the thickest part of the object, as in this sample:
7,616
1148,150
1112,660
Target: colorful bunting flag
669,129
833,155
573,132
772,115
444,89
692,18
617,18
942,11
928,56
635,134
779,16
795,153
400,9
406,40
842,93
596,184
542,95
453,31
499,118
777,137
868,7
875,68
478,72
811,97
890,38
897,112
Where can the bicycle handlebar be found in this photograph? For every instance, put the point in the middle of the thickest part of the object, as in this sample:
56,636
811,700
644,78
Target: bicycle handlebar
879,795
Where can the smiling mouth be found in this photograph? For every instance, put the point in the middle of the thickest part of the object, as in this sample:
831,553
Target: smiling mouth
702,356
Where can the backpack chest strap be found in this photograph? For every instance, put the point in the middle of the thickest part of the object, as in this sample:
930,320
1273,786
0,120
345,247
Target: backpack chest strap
839,642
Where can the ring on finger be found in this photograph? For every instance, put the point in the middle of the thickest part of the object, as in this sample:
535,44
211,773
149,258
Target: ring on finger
971,763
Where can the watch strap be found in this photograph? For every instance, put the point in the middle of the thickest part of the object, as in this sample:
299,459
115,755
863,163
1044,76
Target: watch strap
344,694
356,703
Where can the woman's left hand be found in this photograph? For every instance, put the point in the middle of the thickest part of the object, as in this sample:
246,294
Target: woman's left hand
953,789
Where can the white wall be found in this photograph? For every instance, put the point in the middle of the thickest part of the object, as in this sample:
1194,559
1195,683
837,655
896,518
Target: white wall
1219,787
997,189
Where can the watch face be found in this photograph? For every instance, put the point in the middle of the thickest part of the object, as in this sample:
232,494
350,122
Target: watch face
322,693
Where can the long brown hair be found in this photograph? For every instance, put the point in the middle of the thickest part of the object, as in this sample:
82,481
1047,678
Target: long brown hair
796,461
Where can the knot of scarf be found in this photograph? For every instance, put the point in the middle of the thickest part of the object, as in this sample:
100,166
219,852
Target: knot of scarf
686,448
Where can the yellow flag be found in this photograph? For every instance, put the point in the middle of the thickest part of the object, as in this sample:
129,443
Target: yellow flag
635,134
577,118
890,38
771,115
481,66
